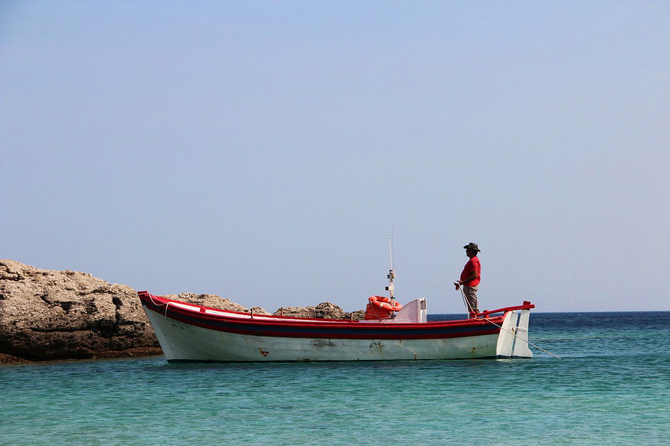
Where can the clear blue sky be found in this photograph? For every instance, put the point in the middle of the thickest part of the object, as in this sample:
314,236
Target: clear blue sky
263,151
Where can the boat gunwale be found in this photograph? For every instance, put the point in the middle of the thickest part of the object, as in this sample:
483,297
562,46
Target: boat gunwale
319,328
272,319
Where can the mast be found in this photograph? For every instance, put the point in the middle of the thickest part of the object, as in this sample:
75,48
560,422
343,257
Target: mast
391,275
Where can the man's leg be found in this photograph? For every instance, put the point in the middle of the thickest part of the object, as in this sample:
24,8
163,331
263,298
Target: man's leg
471,298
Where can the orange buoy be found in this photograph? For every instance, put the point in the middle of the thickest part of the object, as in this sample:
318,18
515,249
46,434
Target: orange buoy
380,307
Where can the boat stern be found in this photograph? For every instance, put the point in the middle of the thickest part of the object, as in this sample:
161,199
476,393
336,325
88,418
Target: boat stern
513,338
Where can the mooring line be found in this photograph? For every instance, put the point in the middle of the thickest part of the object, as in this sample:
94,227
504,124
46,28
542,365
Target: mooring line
524,340
467,307
167,304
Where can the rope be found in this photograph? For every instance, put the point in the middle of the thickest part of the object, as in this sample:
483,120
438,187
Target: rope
467,303
378,315
524,340
167,304
467,306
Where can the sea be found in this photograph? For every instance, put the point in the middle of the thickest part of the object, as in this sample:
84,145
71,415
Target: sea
596,379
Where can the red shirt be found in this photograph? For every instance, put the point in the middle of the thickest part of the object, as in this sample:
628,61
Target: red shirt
472,265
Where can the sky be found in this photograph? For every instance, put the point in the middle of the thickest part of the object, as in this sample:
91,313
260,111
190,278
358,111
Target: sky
267,151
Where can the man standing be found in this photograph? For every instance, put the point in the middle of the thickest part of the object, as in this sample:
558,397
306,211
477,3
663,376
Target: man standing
470,278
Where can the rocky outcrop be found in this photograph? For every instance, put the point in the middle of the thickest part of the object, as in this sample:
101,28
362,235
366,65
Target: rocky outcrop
325,310
47,315
214,301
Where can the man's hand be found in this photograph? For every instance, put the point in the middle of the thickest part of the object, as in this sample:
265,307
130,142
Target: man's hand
458,285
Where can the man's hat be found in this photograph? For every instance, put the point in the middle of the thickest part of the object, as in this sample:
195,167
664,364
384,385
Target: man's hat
472,246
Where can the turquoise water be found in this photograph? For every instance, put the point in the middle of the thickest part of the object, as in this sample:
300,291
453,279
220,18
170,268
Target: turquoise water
612,386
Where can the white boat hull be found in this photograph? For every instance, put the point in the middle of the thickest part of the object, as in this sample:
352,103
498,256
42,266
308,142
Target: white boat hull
186,342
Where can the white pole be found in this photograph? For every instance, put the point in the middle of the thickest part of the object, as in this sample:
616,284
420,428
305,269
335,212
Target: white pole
391,274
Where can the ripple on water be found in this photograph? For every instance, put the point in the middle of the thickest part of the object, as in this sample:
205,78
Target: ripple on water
610,387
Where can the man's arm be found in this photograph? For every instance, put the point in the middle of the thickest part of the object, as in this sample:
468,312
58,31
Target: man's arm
473,276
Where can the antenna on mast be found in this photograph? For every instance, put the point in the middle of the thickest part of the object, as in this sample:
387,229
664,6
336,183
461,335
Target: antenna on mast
391,275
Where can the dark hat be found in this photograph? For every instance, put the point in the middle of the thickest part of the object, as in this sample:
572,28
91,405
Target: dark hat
472,246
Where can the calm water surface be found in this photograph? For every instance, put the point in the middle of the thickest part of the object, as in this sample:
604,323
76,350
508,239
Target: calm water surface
612,386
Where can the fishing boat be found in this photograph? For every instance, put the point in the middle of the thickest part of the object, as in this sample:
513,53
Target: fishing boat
193,333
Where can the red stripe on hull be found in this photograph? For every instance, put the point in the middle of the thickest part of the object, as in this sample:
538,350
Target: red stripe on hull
278,326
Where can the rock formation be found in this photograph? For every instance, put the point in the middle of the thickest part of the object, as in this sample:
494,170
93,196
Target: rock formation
47,315
66,314
324,310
